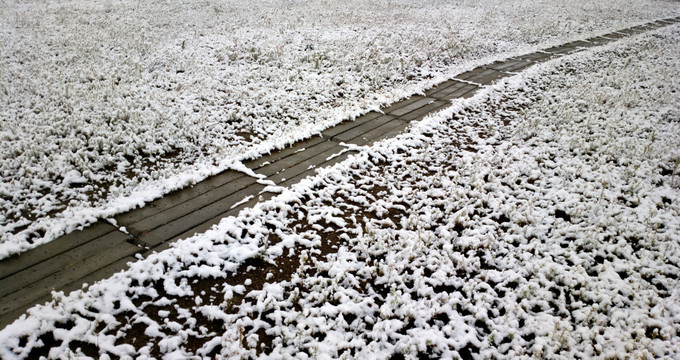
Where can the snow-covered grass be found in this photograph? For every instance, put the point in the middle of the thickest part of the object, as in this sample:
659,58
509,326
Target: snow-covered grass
108,104
540,218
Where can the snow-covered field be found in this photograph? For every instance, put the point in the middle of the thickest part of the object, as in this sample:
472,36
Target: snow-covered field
108,104
540,218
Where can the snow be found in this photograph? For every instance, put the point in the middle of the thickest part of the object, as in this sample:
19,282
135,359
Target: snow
108,105
541,218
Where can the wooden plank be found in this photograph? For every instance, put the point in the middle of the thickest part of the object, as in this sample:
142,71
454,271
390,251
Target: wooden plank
207,225
60,262
305,165
444,94
536,56
55,247
502,65
439,87
482,76
402,103
8,317
509,65
465,92
469,74
487,76
599,40
578,43
347,125
172,229
337,159
103,273
423,111
283,153
664,22
562,49
30,294
518,66
412,106
186,207
390,134
615,35
312,172
296,158
637,29
369,137
357,131
389,130
178,197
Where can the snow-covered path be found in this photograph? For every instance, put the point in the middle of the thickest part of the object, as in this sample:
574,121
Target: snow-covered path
111,104
540,218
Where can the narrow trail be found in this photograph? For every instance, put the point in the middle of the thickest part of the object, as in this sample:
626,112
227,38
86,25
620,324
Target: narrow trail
299,242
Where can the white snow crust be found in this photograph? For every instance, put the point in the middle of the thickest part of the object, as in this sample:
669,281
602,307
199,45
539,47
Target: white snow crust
107,105
540,218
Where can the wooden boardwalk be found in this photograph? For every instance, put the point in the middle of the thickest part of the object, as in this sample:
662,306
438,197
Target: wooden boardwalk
100,250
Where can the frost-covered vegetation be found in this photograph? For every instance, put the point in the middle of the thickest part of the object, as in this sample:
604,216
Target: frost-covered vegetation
539,219
108,104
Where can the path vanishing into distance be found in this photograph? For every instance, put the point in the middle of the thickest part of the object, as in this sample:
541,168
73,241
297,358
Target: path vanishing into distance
102,249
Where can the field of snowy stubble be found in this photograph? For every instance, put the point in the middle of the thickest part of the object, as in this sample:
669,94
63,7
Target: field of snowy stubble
108,104
540,218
